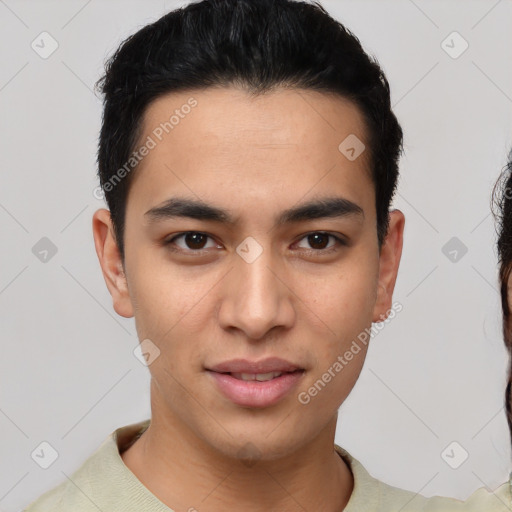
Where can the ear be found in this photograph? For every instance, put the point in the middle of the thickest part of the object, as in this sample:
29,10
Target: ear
390,254
111,263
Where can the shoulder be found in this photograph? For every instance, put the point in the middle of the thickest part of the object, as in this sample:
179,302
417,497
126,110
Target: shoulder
74,492
100,483
370,494
50,501
499,500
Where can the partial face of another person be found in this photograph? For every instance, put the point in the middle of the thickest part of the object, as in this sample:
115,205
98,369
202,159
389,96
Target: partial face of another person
253,275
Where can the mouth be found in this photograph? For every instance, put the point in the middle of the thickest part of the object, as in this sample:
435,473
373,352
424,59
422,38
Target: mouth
263,368
258,377
256,390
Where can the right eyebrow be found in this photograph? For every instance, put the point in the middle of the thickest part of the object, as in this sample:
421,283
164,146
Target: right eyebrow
327,207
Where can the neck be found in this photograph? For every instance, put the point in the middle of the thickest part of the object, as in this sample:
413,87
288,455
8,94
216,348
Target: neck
187,474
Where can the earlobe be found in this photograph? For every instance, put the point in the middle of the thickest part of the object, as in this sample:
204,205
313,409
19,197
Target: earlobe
389,262
111,263
381,295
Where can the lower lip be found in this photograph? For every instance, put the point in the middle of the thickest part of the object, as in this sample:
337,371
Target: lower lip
254,393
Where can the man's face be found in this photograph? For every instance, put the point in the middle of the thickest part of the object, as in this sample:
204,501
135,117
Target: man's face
254,288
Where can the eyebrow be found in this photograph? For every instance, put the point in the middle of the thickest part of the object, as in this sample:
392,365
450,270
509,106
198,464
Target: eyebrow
327,207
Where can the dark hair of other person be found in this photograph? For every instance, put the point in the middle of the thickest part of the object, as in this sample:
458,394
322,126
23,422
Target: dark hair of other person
502,209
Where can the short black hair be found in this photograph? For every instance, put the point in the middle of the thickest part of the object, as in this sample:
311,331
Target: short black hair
258,45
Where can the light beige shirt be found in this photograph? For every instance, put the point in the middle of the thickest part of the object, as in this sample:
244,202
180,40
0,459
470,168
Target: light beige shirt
104,483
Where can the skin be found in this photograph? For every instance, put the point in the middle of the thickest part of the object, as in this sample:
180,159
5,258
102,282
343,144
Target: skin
509,289
254,156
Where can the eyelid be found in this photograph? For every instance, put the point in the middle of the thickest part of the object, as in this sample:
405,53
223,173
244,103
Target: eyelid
168,242
341,241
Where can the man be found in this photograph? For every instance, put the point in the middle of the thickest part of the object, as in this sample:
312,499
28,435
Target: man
249,156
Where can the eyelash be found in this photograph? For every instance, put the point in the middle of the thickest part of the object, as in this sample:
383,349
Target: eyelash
339,242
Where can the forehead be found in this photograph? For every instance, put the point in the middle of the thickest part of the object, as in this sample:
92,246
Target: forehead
285,143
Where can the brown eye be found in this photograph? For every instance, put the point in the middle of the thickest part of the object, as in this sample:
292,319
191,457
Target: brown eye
195,240
318,242
192,241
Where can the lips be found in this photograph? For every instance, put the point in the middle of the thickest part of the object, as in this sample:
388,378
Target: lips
254,393
256,383
237,367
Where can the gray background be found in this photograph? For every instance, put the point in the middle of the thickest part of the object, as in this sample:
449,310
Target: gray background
434,375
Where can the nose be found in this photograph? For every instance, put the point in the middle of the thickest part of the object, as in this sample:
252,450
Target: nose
257,298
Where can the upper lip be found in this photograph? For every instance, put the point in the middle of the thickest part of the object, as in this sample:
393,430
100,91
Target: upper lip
271,364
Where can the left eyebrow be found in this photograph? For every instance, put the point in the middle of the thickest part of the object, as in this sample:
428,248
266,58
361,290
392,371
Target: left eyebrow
327,207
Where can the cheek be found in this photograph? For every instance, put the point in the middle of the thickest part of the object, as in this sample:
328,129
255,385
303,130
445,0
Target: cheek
173,308
509,292
344,303
341,299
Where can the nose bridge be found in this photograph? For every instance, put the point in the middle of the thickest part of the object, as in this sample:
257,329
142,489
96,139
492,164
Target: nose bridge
257,287
258,299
